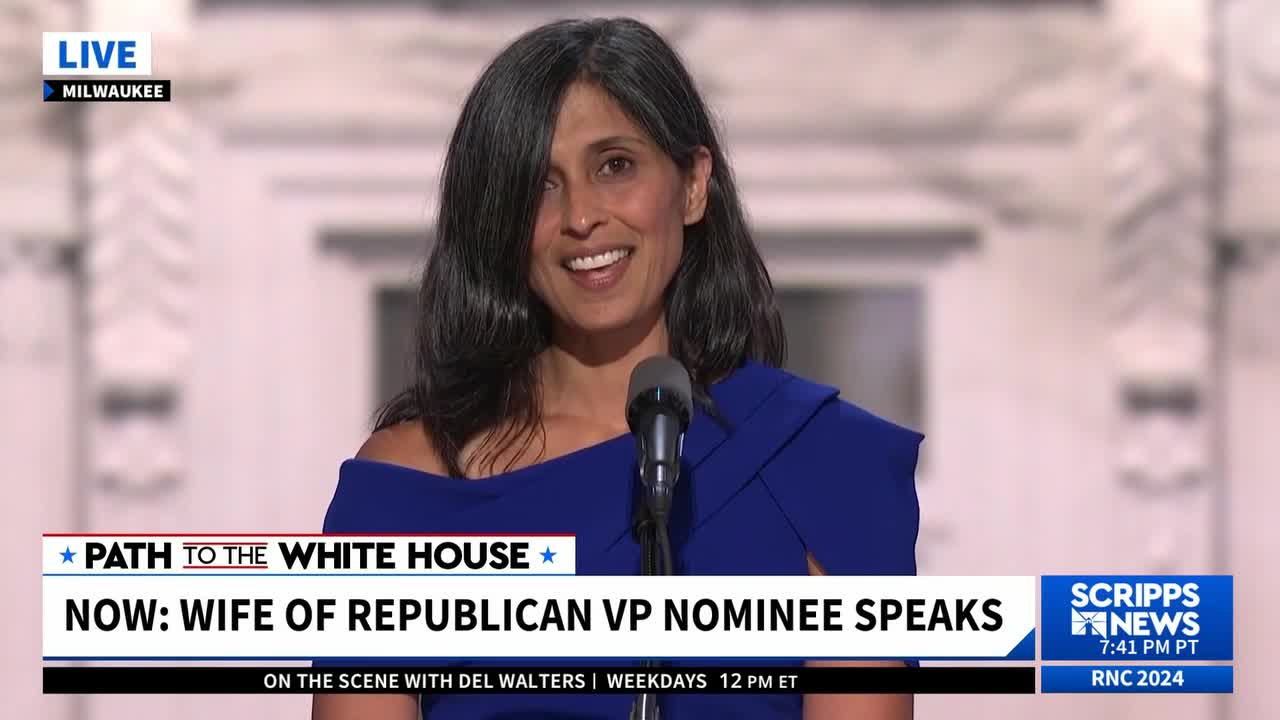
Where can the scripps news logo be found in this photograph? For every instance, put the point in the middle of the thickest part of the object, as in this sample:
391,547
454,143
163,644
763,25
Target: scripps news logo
1150,613
1136,617
101,55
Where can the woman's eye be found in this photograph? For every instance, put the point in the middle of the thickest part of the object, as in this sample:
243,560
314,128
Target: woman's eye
616,165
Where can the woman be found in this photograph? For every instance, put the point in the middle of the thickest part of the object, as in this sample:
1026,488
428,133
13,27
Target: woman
588,220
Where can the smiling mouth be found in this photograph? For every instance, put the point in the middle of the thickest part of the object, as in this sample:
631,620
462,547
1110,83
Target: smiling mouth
597,261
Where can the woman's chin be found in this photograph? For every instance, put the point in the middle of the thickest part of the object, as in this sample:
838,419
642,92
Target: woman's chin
611,323
600,326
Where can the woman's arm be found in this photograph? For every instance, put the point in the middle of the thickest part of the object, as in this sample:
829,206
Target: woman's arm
360,707
864,707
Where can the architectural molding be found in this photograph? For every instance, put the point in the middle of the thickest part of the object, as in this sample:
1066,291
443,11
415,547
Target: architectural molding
37,139
140,275
30,335
1011,74
1160,257
1256,42
1016,78
21,25
1255,332
1252,107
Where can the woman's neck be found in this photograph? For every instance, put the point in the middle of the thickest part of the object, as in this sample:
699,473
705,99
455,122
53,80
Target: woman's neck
585,376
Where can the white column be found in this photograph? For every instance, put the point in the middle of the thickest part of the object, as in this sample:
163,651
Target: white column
1252,350
1252,398
140,276
1154,119
1155,129
39,451
38,363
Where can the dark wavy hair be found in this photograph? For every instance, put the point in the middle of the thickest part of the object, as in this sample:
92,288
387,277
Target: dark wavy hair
480,327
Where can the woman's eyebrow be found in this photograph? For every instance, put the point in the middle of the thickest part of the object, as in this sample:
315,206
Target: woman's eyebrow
603,143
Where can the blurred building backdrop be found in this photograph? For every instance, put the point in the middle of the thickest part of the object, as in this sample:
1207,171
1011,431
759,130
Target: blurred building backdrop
1044,232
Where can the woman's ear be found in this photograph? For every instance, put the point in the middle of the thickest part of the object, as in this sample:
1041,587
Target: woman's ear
695,186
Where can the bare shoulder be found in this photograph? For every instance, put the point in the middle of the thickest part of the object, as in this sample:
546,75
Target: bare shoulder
351,707
407,444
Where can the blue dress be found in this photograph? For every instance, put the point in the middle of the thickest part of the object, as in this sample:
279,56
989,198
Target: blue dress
795,469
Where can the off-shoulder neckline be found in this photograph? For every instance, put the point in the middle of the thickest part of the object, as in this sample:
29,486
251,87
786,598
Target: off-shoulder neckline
500,478
493,482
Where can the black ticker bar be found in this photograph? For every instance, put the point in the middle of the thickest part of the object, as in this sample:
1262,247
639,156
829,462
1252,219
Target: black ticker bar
826,680
93,90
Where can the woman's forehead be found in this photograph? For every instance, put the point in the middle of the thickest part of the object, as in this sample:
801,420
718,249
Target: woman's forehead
590,119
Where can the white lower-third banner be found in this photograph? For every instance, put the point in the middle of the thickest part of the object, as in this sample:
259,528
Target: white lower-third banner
283,616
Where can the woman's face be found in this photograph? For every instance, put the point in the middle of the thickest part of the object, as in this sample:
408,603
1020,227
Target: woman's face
610,227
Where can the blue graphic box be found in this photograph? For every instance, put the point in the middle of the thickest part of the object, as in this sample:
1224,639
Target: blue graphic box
1136,618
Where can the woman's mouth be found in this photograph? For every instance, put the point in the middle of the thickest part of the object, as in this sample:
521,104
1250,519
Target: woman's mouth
598,261
600,271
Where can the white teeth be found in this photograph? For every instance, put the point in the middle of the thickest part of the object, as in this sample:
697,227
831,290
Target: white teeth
595,262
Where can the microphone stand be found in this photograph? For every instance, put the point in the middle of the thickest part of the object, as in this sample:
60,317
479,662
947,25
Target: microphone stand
655,555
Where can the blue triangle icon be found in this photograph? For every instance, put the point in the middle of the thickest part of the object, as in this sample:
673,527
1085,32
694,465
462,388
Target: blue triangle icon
47,91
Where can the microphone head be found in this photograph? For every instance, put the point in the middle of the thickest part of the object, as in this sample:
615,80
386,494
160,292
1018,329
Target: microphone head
659,383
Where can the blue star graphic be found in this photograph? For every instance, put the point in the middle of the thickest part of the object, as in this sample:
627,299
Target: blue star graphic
67,555
547,555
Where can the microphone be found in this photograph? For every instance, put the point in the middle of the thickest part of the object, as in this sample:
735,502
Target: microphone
659,406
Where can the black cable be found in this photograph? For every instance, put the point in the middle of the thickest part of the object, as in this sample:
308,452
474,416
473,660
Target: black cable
666,565
655,559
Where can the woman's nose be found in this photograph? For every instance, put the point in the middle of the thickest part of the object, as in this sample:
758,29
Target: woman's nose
582,212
